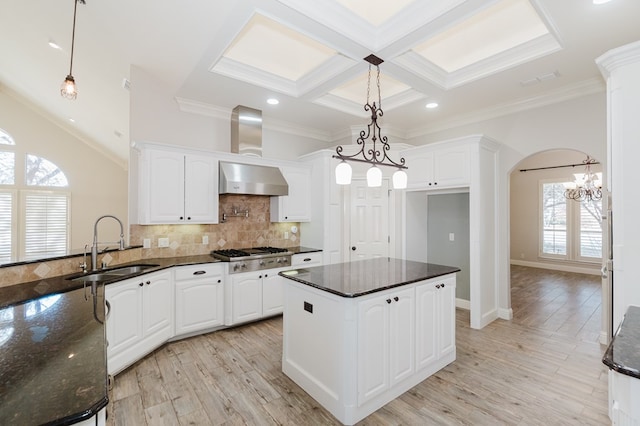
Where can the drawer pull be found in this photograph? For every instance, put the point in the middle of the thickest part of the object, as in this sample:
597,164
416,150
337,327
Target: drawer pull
199,272
307,259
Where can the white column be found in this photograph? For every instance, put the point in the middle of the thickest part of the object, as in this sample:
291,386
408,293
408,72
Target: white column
621,68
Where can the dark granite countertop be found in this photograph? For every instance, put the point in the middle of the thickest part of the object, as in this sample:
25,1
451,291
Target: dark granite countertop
353,279
303,250
53,362
623,353
53,367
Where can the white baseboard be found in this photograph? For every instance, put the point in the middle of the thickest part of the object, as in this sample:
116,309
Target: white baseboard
463,304
505,314
556,267
603,338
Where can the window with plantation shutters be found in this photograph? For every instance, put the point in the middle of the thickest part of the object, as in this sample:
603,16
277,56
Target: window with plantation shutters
46,224
7,225
569,230
34,205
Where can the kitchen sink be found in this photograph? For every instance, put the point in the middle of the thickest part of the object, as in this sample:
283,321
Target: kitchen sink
111,274
128,270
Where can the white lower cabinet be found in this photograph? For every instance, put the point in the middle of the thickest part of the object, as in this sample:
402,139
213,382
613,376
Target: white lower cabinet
306,260
140,319
256,295
199,297
385,342
435,320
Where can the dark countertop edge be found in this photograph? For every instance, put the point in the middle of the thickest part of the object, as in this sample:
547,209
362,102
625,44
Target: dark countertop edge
63,283
84,415
303,250
620,368
607,358
65,256
364,293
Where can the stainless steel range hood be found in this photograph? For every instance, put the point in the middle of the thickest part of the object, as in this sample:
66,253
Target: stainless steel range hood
251,179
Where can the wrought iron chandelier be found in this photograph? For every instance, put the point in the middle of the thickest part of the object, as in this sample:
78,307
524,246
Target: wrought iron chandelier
376,155
587,186
68,89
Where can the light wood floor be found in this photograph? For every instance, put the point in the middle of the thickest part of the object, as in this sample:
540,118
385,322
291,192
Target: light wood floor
542,368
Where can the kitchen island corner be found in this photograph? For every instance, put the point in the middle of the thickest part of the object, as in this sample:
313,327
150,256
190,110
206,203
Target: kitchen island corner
356,335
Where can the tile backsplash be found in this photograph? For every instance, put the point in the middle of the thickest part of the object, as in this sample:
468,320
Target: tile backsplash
236,232
182,240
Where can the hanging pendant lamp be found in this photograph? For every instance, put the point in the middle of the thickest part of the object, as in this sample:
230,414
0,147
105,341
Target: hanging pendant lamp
68,89
376,155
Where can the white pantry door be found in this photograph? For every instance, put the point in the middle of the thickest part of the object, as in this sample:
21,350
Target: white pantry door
369,220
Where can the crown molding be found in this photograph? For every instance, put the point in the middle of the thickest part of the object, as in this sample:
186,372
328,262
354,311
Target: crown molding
621,56
583,88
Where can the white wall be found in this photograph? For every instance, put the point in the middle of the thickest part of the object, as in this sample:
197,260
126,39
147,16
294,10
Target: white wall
98,184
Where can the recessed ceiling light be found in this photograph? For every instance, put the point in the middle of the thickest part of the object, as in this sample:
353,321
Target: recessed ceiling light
273,101
72,120
54,45
431,105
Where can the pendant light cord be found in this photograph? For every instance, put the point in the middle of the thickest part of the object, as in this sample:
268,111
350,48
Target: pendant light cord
73,32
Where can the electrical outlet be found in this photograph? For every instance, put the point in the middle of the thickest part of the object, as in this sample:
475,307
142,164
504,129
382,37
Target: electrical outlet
163,242
146,243
205,239
286,235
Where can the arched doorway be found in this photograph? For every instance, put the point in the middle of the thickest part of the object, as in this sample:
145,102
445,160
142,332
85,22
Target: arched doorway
549,232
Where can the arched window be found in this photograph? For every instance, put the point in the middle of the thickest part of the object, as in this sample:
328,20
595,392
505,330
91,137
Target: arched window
34,208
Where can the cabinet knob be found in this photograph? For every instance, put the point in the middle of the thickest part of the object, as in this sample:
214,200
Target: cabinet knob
388,300
442,285
141,284
148,282
437,285
259,276
181,217
219,281
396,298
353,248
435,183
188,217
266,275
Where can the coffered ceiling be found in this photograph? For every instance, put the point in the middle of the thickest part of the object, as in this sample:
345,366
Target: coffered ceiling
475,58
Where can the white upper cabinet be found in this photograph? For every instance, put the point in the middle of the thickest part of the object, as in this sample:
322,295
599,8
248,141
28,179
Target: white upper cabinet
177,188
434,168
295,207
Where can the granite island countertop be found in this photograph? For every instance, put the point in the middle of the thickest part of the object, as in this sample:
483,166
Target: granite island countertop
623,352
53,363
361,277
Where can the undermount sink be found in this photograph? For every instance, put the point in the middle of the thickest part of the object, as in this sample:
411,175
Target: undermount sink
127,270
111,274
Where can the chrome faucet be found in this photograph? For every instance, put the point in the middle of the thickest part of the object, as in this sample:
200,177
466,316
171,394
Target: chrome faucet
94,247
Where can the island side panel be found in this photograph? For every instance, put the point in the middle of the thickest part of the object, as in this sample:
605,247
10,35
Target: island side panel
315,340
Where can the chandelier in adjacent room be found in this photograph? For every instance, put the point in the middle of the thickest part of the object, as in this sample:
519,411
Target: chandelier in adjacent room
587,186
376,154
68,89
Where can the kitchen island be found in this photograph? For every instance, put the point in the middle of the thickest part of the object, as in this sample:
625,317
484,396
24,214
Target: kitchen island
356,335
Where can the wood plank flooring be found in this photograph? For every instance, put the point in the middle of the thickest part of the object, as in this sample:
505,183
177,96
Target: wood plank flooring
542,368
